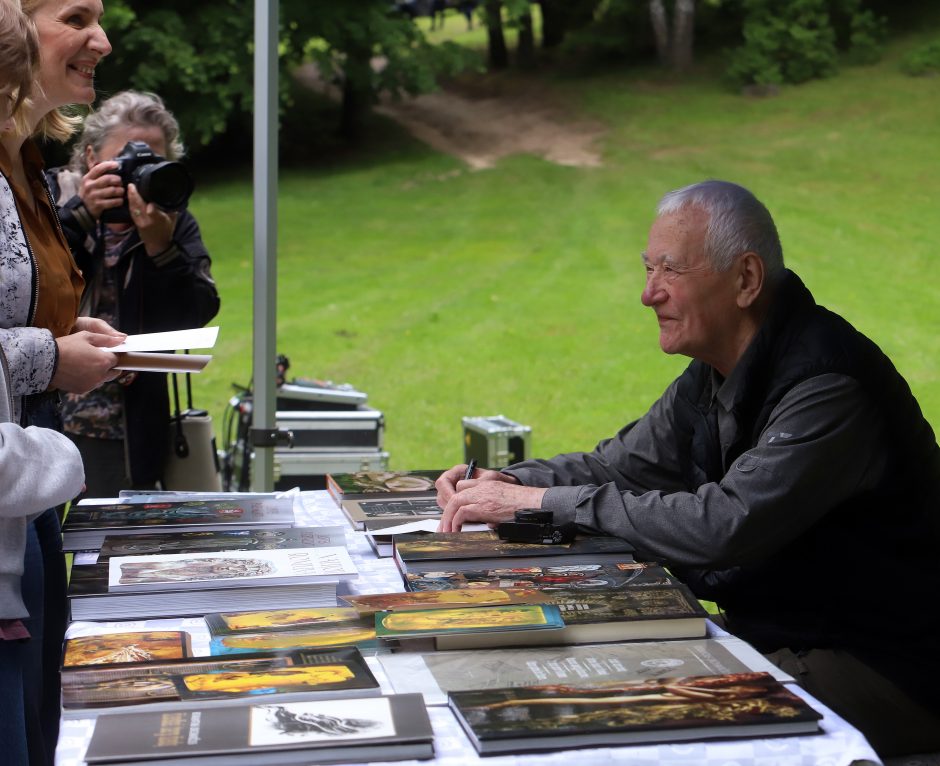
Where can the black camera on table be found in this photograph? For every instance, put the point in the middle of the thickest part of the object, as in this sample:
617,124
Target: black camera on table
535,526
165,183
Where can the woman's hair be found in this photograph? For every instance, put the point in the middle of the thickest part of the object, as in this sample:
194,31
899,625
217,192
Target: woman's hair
738,222
58,125
19,52
129,108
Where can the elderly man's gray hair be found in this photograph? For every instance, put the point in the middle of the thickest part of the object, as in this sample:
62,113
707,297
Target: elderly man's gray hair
738,222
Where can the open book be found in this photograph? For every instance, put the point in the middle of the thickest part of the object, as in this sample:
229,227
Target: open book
153,351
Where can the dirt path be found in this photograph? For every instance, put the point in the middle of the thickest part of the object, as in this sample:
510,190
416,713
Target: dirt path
480,128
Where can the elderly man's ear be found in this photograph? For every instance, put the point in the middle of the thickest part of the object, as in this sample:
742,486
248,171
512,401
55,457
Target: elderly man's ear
750,279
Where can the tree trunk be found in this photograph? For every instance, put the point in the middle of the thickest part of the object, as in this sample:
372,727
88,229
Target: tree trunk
525,52
357,93
683,35
553,22
498,53
660,30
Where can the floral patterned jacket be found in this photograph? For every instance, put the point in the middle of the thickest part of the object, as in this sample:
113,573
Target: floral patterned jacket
30,351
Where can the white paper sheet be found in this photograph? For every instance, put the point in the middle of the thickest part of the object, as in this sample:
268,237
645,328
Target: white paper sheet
201,337
425,525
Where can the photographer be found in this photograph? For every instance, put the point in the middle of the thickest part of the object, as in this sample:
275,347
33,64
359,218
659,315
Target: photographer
146,270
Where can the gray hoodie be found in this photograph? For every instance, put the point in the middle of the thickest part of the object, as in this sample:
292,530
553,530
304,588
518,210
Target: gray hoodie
39,469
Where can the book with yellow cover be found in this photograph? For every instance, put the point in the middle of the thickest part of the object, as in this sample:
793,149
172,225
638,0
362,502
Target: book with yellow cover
286,629
275,620
88,691
138,646
445,599
503,624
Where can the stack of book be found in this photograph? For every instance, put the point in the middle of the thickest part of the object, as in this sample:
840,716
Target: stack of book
187,556
652,607
601,593
373,499
458,551
602,649
86,525
284,629
184,584
186,683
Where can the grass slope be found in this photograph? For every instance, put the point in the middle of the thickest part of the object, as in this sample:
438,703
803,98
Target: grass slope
443,292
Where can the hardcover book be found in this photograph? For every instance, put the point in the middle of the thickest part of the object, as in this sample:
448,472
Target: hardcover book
538,718
482,550
268,620
623,614
434,674
499,625
649,612
316,731
179,684
86,526
225,569
358,632
364,484
228,540
91,599
445,599
143,646
330,672
577,576
389,511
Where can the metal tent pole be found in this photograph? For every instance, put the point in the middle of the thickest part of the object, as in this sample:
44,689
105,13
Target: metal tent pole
265,242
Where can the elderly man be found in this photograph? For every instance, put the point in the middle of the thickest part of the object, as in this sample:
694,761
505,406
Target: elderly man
788,474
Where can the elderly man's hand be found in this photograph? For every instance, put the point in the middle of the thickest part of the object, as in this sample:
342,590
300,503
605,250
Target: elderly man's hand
487,499
446,483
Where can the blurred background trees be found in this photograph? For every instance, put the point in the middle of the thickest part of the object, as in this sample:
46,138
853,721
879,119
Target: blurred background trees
199,55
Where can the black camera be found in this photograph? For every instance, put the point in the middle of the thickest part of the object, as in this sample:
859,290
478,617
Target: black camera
165,183
535,526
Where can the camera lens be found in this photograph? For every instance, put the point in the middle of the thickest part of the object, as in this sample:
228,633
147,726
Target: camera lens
166,184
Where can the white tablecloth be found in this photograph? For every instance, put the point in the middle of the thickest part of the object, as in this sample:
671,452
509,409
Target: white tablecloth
839,745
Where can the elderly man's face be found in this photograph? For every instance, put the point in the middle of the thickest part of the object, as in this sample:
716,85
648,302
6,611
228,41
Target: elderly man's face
695,305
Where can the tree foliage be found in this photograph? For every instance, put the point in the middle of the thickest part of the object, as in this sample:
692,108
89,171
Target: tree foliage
923,61
792,41
199,56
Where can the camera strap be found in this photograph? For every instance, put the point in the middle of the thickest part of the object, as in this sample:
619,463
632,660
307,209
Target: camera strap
180,445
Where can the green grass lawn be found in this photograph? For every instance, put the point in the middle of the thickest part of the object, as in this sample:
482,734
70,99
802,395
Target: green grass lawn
444,292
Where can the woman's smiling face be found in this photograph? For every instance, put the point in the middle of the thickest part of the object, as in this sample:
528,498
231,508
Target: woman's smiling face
72,43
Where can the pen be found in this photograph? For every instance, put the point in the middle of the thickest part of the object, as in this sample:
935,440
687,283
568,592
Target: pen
470,466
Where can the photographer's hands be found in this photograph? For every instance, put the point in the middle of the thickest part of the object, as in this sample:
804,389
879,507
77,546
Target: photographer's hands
154,226
101,188
490,497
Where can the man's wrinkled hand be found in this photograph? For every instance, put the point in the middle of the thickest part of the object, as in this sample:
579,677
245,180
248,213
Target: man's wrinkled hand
487,501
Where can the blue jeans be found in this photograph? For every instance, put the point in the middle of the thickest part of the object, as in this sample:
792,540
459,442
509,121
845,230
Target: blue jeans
44,569
22,738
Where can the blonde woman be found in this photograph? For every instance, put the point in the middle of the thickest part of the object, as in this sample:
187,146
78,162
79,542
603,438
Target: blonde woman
49,349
